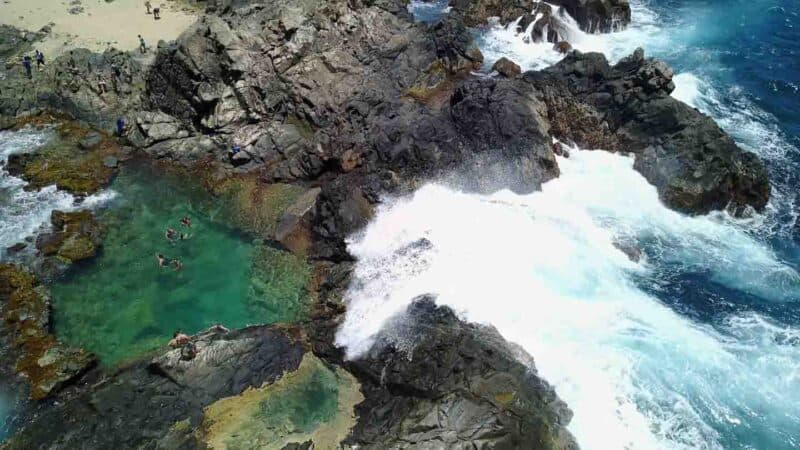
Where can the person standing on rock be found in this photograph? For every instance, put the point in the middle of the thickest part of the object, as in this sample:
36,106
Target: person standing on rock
26,63
235,148
101,84
39,59
120,127
142,45
71,66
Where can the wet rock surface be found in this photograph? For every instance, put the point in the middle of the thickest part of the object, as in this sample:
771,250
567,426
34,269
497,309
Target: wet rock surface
46,364
333,105
593,16
455,385
151,397
75,236
627,107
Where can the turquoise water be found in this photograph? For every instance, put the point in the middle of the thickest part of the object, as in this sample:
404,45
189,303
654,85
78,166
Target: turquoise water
122,303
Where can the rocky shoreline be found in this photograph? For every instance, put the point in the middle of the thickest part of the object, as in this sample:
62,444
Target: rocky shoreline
336,104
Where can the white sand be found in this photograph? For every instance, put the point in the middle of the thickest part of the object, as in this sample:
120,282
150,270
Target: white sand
101,25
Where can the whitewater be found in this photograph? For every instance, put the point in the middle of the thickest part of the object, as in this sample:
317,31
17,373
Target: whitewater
695,345
24,212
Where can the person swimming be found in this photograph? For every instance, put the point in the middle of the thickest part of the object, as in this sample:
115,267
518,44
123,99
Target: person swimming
177,264
170,234
162,260
179,339
184,236
186,221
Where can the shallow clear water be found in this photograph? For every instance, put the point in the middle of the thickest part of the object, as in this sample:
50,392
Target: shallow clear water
122,303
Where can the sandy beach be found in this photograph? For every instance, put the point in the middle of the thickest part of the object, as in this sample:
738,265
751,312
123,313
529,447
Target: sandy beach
99,25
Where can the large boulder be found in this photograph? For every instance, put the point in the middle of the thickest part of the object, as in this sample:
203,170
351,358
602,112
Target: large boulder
506,68
74,236
627,107
598,16
458,385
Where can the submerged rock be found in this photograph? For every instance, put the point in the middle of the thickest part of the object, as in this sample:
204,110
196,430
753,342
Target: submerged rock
506,67
76,236
47,364
312,406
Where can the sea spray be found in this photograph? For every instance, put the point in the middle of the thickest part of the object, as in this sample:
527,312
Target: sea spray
22,212
546,271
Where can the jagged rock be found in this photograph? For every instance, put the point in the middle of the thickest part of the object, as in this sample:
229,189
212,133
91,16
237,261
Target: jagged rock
455,385
151,397
562,47
294,227
507,68
74,90
592,15
47,364
598,16
75,236
694,165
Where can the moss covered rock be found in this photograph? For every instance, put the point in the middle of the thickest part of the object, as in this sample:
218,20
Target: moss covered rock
314,403
76,236
44,361
73,161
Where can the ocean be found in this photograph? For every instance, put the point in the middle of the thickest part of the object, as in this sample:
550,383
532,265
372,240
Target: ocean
695,346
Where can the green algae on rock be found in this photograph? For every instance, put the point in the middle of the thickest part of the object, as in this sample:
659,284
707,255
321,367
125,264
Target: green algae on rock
76,236
45,362
279,286
74,161
255,206
315,403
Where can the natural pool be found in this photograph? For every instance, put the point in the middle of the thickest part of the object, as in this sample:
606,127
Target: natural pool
314,403
122,303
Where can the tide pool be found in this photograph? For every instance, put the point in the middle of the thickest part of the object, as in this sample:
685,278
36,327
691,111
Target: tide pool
122,303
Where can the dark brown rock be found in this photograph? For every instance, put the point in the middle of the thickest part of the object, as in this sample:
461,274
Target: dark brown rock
507,68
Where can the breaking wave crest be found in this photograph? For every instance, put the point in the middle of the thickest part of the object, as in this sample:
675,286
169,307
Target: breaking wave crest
546,269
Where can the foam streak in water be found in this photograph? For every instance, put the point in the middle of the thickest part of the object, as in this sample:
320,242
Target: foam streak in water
544,269
21,211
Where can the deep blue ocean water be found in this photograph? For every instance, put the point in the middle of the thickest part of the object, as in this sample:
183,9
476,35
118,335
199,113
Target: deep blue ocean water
734,280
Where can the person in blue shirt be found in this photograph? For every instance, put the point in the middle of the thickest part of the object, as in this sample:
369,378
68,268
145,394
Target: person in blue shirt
27,63
120,126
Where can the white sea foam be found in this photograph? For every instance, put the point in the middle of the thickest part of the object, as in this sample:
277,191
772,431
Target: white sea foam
23,212
543,269
756,131
428,11
501,41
